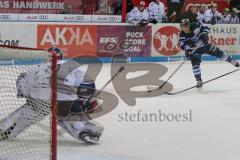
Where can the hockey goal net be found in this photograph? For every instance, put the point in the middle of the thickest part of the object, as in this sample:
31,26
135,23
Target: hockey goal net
38,141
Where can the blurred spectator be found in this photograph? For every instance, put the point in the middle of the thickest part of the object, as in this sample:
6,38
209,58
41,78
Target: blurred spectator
138,15
200,13
157,12
212,15
233,18
235,4
225,16
174,8
129,5
106,7
67,9
118,7
191,14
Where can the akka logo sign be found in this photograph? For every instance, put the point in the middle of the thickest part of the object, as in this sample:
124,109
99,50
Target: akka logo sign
165,40
74,40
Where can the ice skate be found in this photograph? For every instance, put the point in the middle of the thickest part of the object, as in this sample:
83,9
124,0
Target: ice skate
235,63
199,85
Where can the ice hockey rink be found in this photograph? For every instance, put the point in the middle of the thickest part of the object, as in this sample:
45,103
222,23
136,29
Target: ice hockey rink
211,134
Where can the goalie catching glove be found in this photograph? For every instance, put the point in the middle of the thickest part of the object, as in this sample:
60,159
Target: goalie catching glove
79,106
90,106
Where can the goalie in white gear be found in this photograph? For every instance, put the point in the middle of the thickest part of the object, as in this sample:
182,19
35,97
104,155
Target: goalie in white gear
73,88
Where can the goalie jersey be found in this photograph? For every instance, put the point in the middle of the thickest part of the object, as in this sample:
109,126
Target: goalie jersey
36,82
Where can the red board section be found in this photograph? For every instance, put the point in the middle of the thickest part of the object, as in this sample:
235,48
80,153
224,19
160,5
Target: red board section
74,40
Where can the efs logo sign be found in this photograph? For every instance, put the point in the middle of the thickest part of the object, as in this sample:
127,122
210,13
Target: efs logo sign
165,40
75,40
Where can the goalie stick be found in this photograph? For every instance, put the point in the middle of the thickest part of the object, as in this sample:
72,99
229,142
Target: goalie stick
109,81
96,94
115,59
118,58
189,88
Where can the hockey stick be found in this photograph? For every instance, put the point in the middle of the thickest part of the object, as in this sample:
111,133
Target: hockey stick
118,58
107,83
165,82
184,90
96,94
181,64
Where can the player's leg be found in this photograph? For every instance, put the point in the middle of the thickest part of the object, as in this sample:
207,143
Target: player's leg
18,121
196,61
215,51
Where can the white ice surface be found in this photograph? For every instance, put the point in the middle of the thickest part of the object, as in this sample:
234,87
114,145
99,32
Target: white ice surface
213,133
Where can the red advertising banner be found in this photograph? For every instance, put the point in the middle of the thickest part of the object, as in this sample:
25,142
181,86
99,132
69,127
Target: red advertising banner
131,40
49,6
74,40
32,6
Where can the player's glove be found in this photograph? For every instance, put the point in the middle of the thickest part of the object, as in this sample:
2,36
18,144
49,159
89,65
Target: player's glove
154,21
164,19
143,23
188,53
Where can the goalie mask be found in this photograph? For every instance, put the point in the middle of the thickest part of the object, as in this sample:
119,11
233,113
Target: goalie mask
57,51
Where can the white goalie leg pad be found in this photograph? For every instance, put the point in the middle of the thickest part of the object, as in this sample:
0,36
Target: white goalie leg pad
74,128
18,121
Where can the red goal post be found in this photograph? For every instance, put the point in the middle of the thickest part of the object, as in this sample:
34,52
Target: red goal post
13,61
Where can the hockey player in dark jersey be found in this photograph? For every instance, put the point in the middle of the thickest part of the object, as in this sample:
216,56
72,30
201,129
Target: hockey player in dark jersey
193,40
